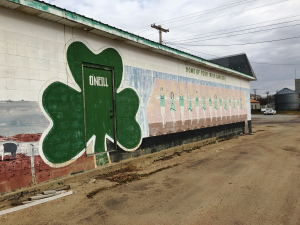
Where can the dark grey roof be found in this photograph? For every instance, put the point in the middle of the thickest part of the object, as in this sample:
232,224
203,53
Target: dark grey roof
237,62
285,91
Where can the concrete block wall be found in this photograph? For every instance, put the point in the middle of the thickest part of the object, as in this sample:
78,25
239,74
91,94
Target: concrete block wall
33,56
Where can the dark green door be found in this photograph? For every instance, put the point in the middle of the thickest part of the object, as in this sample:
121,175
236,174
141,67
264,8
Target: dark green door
98,96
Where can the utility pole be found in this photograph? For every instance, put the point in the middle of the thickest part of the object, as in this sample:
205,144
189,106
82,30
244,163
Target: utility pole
255,94
267,92
160,29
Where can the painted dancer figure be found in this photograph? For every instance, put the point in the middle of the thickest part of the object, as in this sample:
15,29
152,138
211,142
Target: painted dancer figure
238,108
225,106
241,102
190,109
210,107
234,106
181,101
216,106
172,107
220,102
229,105
197,106
204,107
162,99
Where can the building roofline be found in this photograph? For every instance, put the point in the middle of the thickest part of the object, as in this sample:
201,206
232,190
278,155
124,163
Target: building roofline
285,91
227,56
56,14
254,101
240,54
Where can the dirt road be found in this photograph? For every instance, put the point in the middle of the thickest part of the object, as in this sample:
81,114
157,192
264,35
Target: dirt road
252,179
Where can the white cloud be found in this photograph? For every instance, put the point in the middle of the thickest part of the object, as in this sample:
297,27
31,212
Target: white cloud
131,15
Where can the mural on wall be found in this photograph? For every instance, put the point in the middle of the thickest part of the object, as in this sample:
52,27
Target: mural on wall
44,140
172,103
21,126
65,106
176,107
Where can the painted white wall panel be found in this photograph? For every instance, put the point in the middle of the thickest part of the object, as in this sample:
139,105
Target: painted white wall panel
35,85
7,71
47,75
2,59
7,48
9,36
17,84
1,34
26,73
46,33
56,66
39,64
35,42
61,57
22,39
48,55
2,83
28,95
6,95
14,60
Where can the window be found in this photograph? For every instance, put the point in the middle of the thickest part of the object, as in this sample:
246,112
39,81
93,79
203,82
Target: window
255,106
299,84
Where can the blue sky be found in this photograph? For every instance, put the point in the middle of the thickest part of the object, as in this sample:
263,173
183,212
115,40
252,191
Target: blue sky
131,15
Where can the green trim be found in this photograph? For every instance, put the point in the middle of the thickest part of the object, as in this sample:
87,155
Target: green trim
118,32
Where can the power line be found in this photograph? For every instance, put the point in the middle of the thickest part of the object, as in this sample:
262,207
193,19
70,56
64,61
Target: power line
223,15
251,43
203,12
233,13
275,64
235,27
234,34
190,16
194,50
244,30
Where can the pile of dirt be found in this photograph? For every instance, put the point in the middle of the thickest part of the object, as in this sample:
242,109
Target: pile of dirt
124,177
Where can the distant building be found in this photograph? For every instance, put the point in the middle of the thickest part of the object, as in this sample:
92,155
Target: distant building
238,62
297,89
255,104
286,99
269,105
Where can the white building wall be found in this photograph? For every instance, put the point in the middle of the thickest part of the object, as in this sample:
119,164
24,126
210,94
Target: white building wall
33,51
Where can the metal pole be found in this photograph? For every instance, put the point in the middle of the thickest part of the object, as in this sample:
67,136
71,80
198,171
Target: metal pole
114,109
160,37
32,164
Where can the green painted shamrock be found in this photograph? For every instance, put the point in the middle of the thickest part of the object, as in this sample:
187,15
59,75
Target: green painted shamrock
65,106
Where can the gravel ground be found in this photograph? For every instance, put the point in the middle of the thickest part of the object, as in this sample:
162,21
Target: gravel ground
252,179
270,117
